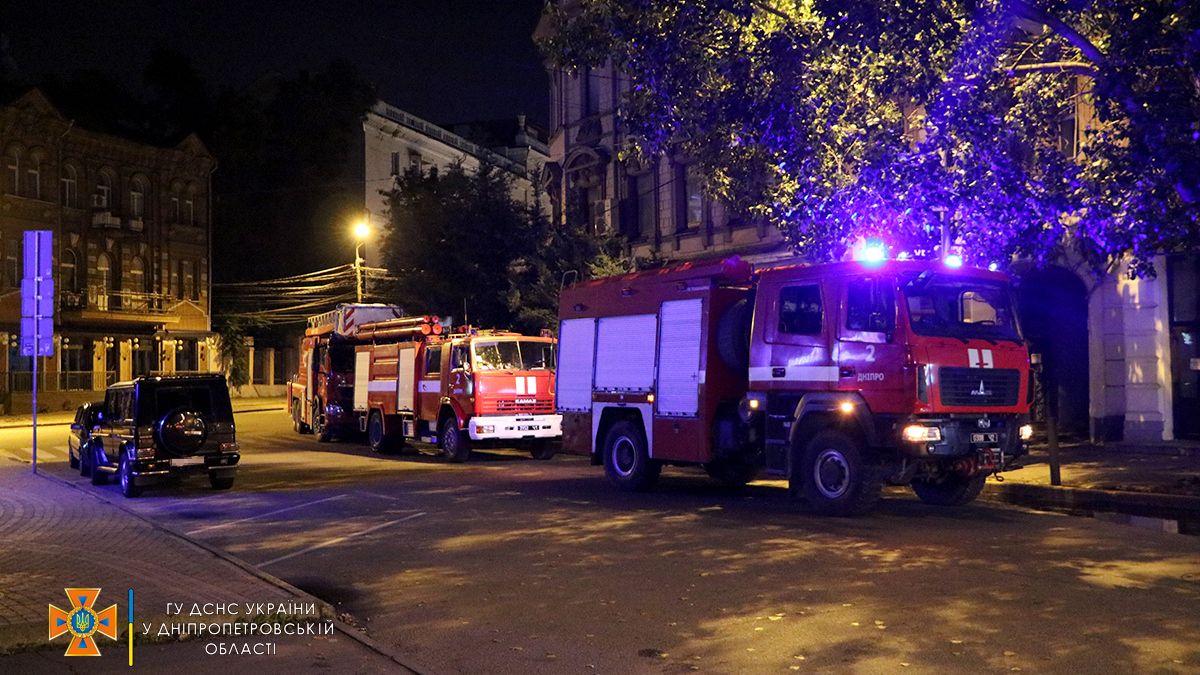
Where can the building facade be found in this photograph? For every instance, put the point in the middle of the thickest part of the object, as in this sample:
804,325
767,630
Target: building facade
131,225
1120,357
395,141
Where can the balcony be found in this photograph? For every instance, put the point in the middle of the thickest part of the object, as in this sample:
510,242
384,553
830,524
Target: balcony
98,303
104,218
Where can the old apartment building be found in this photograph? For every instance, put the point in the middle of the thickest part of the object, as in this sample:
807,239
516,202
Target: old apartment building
132,228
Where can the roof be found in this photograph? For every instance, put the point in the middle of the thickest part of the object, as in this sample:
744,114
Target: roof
168,379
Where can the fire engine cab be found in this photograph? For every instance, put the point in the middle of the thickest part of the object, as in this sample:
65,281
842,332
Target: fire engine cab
469,388
839,377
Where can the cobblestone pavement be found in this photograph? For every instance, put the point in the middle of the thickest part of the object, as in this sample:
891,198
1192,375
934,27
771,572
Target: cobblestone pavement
56,536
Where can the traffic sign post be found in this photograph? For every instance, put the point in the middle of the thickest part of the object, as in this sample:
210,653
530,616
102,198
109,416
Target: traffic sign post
37,308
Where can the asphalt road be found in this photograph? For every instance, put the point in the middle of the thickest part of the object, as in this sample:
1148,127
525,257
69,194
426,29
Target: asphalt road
507,564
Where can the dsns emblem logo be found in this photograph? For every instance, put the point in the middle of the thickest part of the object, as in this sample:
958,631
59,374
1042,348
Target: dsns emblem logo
82,622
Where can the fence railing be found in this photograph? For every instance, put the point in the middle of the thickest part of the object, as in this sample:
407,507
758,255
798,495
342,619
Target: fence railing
22,381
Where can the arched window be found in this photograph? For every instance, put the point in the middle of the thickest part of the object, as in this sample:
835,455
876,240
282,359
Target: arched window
69,270
12,158
135,281
176,208
137,197
189,206
104,185
104,281
70,186
33,174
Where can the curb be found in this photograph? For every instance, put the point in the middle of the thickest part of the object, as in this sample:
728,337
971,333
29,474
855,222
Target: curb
342,627
1076,500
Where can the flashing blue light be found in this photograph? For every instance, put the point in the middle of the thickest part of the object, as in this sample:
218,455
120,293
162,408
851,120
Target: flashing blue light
873,255
992,267
953,261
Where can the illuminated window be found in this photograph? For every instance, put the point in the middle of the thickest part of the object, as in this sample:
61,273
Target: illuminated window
137,198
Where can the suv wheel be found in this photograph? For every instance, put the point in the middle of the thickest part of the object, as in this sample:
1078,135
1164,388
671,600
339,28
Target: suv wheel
456,445
834,477
129,488
953,490
627,463
85,463
220,481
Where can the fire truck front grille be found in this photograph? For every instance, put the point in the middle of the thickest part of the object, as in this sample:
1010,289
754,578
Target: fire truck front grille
517,406
979,386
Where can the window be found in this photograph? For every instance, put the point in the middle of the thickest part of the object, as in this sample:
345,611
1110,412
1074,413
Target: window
12,262
189,212
186,359
870,306
103,198
135,281
460,357
395,164
175,210
14,171
800,310
104,281
433,360
414,160
33,177
68,270
137,198
690,197
70,186
187,279
642,190
591,92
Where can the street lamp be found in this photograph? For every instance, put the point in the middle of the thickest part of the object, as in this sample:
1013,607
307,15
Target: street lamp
362,230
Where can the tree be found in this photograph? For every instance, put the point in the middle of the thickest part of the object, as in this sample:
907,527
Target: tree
458,243
844,119
233,351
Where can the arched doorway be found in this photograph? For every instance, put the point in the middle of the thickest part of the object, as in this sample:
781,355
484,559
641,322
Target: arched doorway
1053,308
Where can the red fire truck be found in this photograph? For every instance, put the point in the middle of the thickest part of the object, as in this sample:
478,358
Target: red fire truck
320,394
839,376
472,387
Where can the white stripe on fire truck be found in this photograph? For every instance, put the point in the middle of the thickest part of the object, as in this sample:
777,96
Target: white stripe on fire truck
381,385
429,386
794,374
520,386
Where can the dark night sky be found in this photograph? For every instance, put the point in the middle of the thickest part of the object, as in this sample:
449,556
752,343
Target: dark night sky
446,61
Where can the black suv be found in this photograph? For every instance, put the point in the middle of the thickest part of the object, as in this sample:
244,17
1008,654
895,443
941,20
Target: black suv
153,427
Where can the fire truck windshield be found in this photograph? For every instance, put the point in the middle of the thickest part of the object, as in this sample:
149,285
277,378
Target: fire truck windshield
514,355
961,307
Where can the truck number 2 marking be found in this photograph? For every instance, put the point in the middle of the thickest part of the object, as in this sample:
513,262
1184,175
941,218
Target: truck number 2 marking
526,385
979,358
870,353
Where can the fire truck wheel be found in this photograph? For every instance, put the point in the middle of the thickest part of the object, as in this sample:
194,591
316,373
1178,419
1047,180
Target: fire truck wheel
319,428
834,477
541,448
733,473
297,425
953,490
379,441
626,461
456,445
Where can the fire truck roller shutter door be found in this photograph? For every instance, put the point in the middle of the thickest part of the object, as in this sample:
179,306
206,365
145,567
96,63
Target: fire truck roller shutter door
679,358
362,378
406,365
576,350
625,352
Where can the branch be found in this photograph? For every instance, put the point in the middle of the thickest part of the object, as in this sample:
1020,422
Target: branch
1077,67
767,8
1024,10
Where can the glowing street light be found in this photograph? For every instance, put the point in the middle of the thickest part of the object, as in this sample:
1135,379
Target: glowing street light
362,231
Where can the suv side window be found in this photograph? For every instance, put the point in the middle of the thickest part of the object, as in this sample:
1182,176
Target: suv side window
800,310
870,306
433,360
119,405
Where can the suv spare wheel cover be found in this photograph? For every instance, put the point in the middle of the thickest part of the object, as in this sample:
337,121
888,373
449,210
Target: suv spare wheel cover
182,431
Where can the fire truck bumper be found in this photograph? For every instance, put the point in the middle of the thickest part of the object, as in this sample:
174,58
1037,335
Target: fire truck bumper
513,427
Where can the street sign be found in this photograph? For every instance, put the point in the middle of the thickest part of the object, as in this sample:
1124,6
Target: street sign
37,309
37,295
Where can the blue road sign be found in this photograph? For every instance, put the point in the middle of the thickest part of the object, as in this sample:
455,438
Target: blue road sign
37,295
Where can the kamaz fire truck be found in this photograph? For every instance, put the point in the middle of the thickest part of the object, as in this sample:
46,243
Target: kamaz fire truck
321,393
459,390
840,377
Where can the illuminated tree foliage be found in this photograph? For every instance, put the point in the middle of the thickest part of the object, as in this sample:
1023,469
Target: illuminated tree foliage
838,119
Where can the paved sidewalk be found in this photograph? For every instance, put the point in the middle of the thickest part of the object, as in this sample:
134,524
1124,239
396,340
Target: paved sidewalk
68,416
56,536
1161,481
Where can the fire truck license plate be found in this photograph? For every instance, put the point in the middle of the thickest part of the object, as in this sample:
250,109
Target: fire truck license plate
527,427
984,438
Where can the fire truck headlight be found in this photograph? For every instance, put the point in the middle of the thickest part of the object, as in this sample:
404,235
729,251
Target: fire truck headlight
1025,432
846,407
919,433
751,404
485,429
